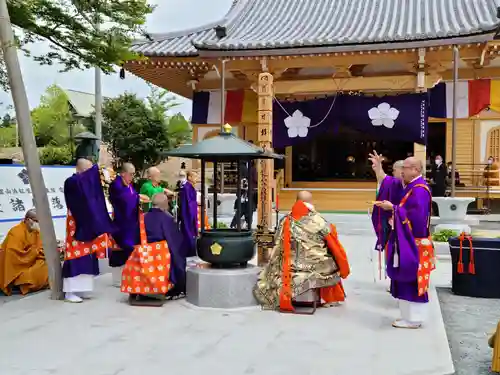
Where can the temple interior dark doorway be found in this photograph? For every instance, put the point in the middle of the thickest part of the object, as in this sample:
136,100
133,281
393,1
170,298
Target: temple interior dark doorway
436,140
343,156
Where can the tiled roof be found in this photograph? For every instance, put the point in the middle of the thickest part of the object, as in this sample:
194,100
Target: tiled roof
82,102
278,24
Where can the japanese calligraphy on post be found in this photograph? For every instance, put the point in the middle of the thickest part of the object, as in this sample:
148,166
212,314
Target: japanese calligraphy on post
15,190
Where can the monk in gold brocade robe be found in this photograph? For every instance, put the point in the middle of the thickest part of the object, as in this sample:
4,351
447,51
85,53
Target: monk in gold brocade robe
22,261
307,255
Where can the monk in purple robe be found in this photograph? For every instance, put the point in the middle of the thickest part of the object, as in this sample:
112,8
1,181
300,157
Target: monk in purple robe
88,228
161,227
410,254
389,189
125,201
188,218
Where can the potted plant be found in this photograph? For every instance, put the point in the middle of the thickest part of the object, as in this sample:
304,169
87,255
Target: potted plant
440,240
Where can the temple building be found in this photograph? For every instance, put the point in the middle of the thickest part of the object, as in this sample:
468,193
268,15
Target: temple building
325,82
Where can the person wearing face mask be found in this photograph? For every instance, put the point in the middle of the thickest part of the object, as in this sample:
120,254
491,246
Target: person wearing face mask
491,172
438,177
22,260
126,206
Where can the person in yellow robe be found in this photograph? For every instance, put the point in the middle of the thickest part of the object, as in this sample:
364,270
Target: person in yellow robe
22,261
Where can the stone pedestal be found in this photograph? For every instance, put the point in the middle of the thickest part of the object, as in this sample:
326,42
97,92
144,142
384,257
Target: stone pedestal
221,288
453,214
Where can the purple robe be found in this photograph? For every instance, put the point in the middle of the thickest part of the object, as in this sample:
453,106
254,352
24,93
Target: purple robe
415,211
85,200
188,218
391,190
161,226
125,202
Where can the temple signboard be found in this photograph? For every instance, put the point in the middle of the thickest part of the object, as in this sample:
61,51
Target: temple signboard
15,191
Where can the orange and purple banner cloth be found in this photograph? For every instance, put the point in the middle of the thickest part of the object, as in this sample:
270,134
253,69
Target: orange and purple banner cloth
473,97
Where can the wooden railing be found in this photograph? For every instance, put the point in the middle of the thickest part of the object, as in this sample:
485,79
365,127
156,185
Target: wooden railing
481,181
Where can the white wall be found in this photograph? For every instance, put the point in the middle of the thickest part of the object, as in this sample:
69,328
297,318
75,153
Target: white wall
485,126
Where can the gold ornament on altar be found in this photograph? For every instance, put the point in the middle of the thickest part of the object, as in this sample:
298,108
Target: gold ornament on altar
227,129
216,249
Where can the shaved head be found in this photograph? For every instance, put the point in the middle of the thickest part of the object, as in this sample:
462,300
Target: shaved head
160,200
192,177
128,172
304,196
412,168
31,221
153,171
30,214
415,163
82,165
128,168
154,174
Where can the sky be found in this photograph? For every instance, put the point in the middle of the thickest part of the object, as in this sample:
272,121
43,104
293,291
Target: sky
169,15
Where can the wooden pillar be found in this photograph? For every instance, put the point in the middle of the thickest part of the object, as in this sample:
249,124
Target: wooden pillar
265,166
420,152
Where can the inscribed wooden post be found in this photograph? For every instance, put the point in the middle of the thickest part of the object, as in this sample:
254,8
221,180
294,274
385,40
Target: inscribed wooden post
265,166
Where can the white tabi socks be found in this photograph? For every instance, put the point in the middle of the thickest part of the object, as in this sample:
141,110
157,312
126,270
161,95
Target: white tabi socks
73,298
413,314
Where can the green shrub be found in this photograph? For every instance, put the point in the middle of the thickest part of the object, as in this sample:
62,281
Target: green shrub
54,155
221,225
8,136
444,235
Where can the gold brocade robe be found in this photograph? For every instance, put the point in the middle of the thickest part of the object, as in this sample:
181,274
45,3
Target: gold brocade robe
22,261
311,262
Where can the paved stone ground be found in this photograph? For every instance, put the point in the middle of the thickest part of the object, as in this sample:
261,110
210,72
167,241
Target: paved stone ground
469,321
105,336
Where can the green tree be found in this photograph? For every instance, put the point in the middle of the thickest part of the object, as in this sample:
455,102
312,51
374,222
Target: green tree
69,27
8,136
179,130
52,118
161,102
55,155
133,131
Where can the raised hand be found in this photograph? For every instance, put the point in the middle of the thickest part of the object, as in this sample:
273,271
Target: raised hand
376,160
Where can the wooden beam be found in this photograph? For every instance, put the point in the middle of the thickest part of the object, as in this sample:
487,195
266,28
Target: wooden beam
469,74
231,84
310,61
323,85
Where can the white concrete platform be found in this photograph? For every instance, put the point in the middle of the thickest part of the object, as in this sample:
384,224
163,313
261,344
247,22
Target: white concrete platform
105,336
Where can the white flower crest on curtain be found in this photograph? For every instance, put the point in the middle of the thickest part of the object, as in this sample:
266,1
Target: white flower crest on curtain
297,124
383,115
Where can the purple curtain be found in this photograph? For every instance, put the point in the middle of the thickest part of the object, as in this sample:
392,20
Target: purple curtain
400,118
294,122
